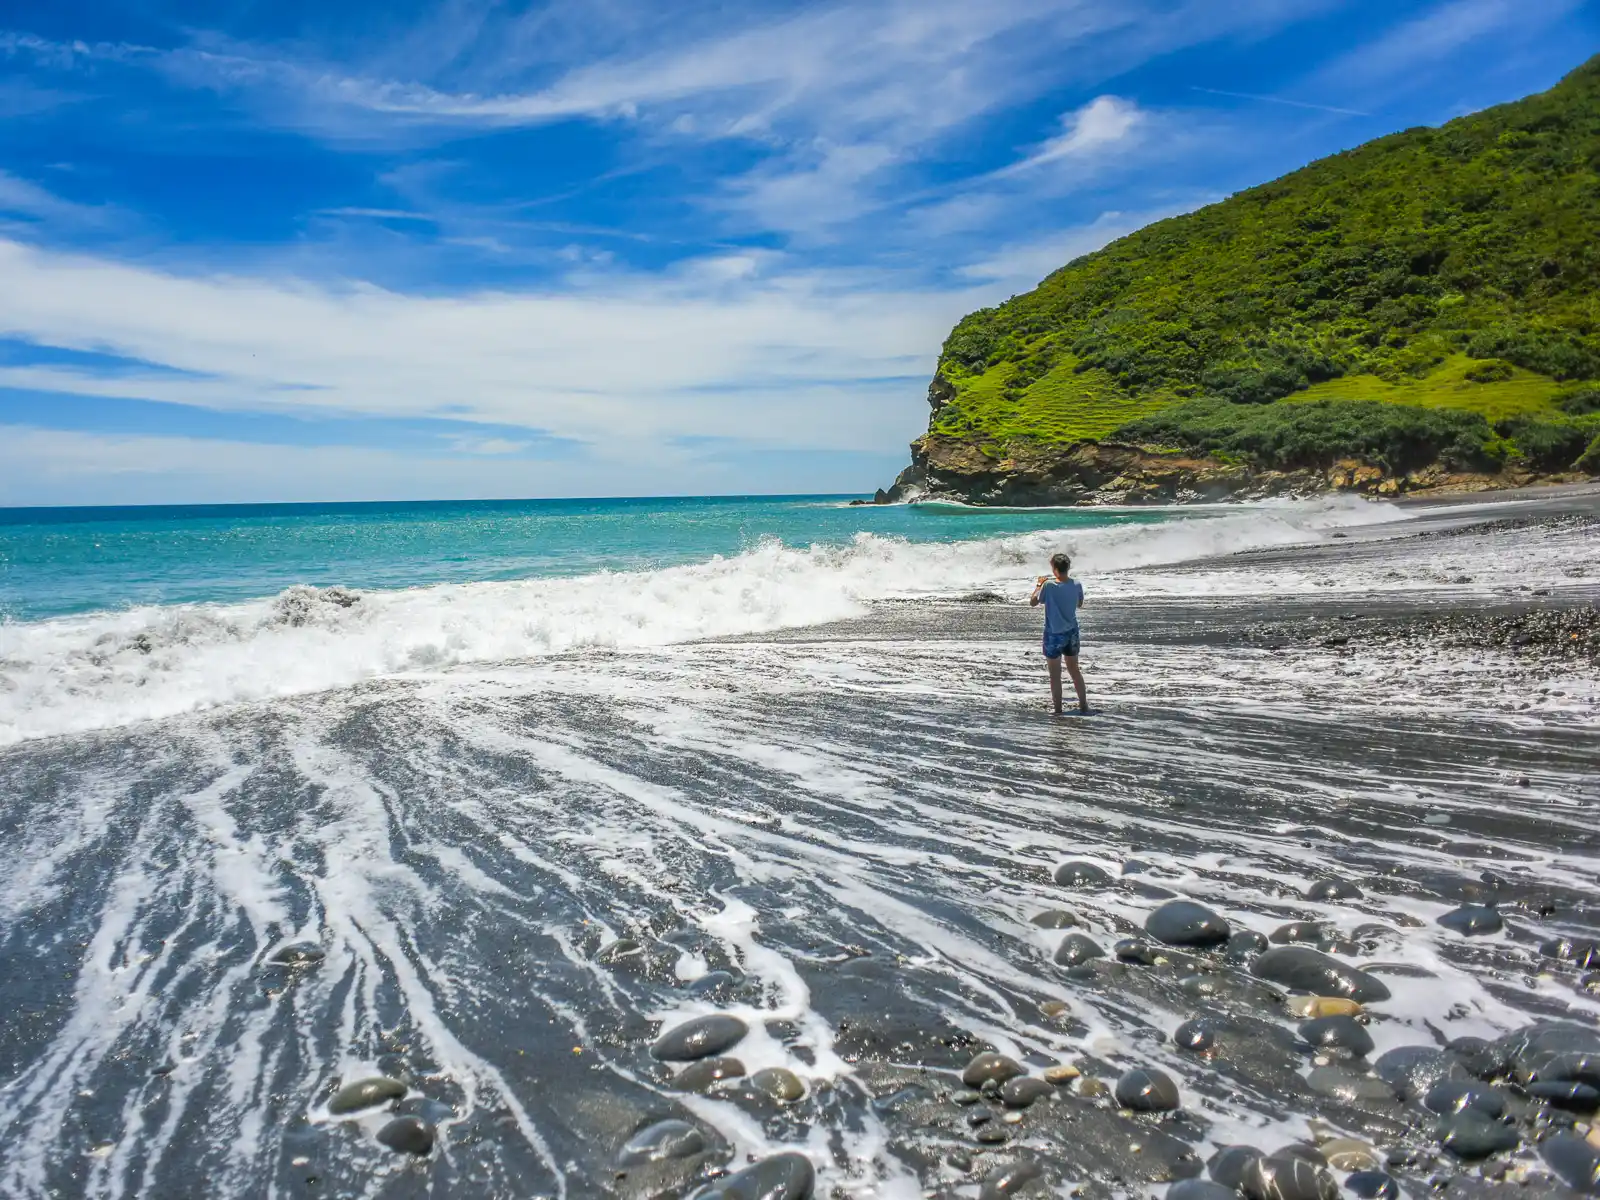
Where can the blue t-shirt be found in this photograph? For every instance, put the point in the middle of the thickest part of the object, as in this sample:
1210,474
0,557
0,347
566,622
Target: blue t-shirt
1061,602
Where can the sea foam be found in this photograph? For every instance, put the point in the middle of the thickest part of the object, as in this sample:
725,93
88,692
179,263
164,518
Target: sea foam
109,669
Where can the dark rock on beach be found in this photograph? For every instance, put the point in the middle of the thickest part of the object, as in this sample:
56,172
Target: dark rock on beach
1145,1089
779,1083
1185,923
707,1073
1338,1033
663,1140
1573,1161
786,1176
1054,918
1227,1166
1024,1091
1245,945
1454,1095
1471,920
986,1068
407,1135
1567,1094
1197,1036
296,956
1081,875
1472,1136
1077,949
1298,931
1326,890
1305,970
1580,952
1372,1185
1285,1176
1200,1189
1414,1071
1136,950
365,1093
699,1038
1023,1177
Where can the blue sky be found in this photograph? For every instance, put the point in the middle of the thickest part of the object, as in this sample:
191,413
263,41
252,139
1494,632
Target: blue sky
296,251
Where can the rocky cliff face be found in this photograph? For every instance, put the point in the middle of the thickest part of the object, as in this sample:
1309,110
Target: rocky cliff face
1030,474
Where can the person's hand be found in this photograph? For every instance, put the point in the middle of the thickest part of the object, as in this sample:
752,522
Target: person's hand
1040,582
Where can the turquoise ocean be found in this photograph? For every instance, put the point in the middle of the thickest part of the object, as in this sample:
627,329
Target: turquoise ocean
113,616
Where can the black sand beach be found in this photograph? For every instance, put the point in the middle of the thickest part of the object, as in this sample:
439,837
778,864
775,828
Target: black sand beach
1374,762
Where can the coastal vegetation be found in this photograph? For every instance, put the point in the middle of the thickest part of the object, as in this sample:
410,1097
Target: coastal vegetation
1432,296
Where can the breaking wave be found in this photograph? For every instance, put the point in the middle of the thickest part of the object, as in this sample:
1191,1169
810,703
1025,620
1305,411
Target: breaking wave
116,668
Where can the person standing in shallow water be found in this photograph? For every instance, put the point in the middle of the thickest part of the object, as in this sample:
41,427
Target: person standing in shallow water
1062,597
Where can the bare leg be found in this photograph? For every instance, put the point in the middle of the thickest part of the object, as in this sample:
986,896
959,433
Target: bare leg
1077,682
1055,682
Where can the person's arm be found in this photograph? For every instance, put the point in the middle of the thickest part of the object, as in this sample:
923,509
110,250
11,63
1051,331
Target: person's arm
1033,600
1080,595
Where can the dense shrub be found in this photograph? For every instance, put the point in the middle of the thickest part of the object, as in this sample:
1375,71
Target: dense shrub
1589,460
1316,434
1580,403
1477,237
1546,445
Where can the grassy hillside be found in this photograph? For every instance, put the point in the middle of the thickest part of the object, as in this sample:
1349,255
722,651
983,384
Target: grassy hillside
1453,269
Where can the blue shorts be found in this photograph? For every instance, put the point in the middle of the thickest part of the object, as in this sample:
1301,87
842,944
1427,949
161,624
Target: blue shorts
1057,644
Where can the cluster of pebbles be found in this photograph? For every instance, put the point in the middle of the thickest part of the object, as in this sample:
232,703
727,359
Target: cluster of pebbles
1510,1112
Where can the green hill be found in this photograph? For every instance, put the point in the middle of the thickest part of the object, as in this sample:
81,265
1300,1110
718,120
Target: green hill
1450,274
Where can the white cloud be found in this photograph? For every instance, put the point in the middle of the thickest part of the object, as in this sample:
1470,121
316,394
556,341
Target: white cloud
1104,122
730,347
42,466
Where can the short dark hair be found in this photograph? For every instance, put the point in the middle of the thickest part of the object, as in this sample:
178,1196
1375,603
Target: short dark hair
1060,563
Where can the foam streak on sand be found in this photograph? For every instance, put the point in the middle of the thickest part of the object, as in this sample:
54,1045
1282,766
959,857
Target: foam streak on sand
517,873
100,670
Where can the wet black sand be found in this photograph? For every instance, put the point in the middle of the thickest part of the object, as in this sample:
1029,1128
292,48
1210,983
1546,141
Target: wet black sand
506,883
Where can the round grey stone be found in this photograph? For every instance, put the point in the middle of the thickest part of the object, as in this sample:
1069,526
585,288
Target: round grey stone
1338,1033
1325,890
1245,945
1574,1161
1373,1185
1012,1179
407,1135
1566,1093
1350,1087
1145,1089
1135,950
1450,1096
1024,1091
1054,918
1471,1136
1198,1036
297,955
1580,952
365,1093
781,1084
707,1073
661,1141
1298,931
1200,1189
1081,875
787,1176
1472,920
1303,969
1227,1166
1287,1177
1185,923
990,1068
699,1038
1077,949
